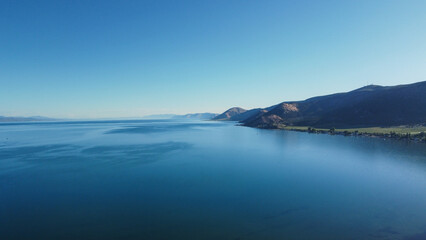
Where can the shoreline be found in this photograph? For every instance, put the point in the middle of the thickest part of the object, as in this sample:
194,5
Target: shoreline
396,133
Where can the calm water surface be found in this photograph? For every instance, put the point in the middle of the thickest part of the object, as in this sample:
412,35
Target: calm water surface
205,180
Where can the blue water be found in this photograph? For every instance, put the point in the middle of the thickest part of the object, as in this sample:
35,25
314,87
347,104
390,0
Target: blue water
205,180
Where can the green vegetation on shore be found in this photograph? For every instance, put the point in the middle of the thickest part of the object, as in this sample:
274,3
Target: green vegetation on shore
414,133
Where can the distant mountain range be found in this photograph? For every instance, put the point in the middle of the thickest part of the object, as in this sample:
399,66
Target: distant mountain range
199,116
368,106
195,116
24,119
202,116
159,116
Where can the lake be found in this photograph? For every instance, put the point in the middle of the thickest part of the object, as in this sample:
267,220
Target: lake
164,179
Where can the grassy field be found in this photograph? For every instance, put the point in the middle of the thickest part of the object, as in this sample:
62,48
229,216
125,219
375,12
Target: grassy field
371,130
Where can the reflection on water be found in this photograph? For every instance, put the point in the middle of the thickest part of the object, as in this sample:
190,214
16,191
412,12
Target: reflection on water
205,180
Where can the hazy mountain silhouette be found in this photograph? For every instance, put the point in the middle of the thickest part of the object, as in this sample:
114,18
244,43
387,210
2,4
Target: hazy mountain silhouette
202,116
24,119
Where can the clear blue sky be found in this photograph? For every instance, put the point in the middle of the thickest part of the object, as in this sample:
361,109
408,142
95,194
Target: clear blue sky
88,59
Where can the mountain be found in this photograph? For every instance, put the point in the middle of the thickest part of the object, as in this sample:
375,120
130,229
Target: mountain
245,115
25,119
368,106
230,113
201,116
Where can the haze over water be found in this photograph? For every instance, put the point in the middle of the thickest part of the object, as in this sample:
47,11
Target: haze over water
205,180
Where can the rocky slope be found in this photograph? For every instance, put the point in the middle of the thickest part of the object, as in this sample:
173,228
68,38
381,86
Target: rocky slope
230,114
367,106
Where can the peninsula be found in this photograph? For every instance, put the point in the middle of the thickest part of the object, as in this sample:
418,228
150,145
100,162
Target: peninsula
383,111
